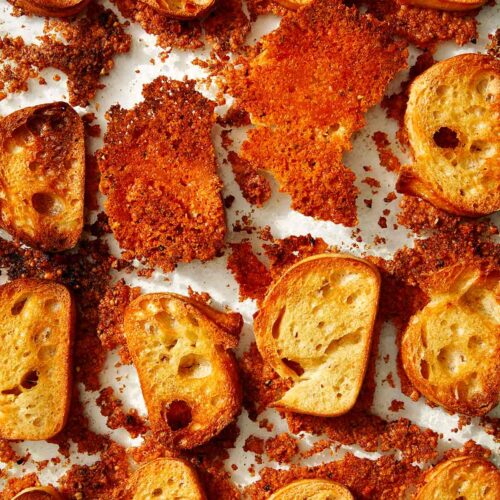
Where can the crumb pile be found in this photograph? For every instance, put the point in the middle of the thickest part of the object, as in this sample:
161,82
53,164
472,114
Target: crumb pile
424,27
83,49
158,171
306,100
225,27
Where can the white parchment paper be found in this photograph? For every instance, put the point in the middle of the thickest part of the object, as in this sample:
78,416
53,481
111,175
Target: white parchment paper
124,86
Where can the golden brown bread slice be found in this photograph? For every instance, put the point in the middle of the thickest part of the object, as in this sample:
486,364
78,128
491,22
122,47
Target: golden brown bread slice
453,124
38,493
188,374
312,489
165,479
450,5
315,326
470,478
451,348
294,4
182,9
52,8
36,332
42,171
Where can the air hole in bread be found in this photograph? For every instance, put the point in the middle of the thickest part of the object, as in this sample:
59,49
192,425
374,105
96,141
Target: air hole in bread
351,298
18,306
157,492
29,380
165,320
46,352
42,336
22,136
53,306
194,366
424,369
34,166
350,338
150,328
193,320
451,358
446,138
15,391
325,288
475,342
277,323
293,365
441,90
177,414
46,204
321,324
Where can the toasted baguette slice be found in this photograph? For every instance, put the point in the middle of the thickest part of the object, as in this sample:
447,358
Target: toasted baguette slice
36,331
472,478
165,478
182,9
451,348
188,375
38,493
294,4
449,5
52,8
312,489
315,327
453,124
42,170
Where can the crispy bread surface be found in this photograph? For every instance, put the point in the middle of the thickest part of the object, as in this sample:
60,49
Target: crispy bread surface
449,5
159,174
306,87
165,479
38,493
42,175
453,124
470,477
312,489
182,9
188,374
294,4
52,8
35,366
315,327
451,348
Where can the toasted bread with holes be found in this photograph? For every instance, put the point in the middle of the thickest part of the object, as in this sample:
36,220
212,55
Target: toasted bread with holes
36,333
42,172
38,493
188,374
312,489
165,479
451,348
453,125
469,477
449,5
52,8
315,327
182,9
294,4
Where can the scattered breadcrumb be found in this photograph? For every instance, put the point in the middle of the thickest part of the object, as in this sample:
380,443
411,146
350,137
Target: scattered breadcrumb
386,157
250,273
84,54
225,27
396,405
493,47
159,173
281,448
366,479
112,408
111,311
425,27
254,186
